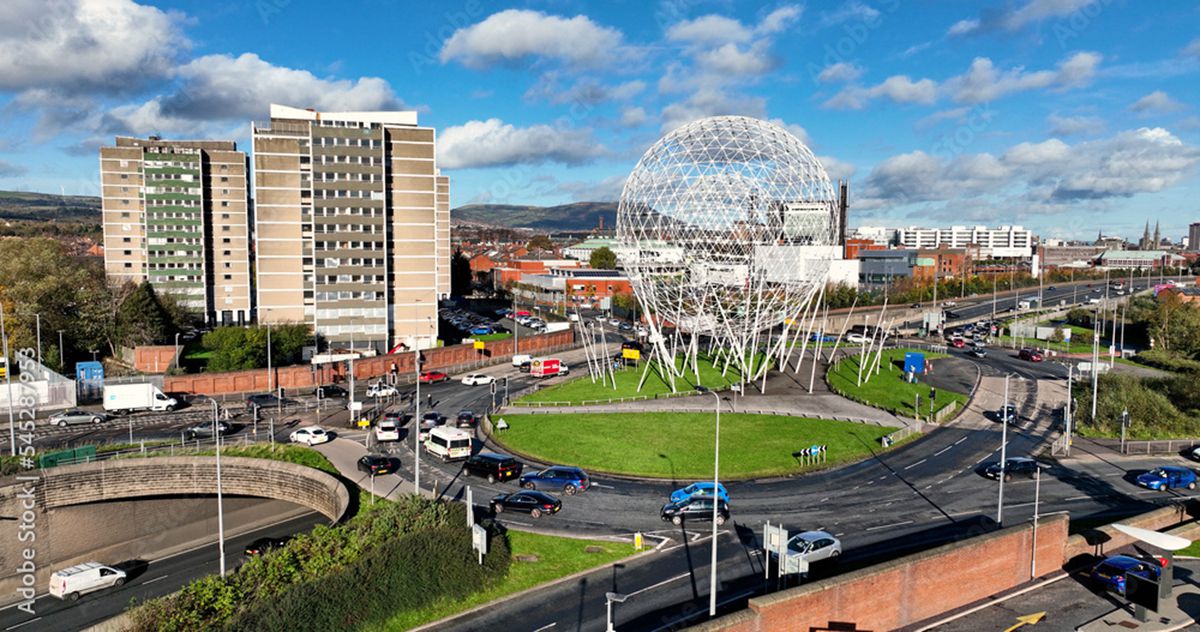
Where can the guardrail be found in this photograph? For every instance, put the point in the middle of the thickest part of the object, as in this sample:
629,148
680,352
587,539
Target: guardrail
1155,446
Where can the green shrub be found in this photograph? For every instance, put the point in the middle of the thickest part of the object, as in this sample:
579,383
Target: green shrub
1167,360
1158,408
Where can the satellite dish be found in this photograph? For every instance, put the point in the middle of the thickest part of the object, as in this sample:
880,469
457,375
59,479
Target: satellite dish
1164,541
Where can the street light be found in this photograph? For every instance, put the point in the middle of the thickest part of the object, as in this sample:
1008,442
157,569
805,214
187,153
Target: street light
712,582
1124,425
220,502
1003,453
61,357
609,599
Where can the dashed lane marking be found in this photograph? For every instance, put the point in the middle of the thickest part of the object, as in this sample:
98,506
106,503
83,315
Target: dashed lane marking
942,451
916,464
151,581
662,583
889,526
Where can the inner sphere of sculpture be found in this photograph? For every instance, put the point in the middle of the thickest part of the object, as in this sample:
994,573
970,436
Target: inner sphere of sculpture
727,225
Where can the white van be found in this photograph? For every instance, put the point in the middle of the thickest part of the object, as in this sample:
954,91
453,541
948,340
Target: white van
521,358
451,444
386,430
69,583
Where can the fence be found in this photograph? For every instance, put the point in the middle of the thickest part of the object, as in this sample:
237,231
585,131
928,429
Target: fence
1159,446
902,434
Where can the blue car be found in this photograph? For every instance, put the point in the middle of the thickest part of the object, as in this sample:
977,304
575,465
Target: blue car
825,338
699,490
569,479
1110,574
482,331
1168,477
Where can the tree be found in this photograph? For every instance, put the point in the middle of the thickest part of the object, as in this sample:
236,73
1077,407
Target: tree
540,242
603,258
460,274
142,319
629,304
243,348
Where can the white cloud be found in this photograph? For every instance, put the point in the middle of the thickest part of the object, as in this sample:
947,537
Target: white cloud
78,46
851,11
962,27
586,91
1157,101
1192,49
799,132
709,30
779,19
1072,125
898,88
729,59
837,169
10,170
516,35
493,143
603,190
1009,19
711,102
983,82
1037,154
841,71
632,116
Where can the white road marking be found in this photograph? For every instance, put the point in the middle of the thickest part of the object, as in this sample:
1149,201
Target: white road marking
942,451
960,441
889,526
546,627
13,627
151,581
601,485
916,464
662,583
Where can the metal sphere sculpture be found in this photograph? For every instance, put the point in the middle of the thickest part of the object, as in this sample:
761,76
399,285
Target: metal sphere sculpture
726,226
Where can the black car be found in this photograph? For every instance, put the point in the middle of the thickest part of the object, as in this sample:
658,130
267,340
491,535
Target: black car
1017,466
205,430
916,306
1010,411
528,501
525,367
263,545
330,390
466,419
263,400
432,418
375,465
953,315
494,467
694,509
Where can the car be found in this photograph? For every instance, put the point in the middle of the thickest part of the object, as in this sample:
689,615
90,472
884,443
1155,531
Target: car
494,467
429,421
702,489
1110,574
1007,412
958,343
1195,453
978,351
1052,288
76,416
466,419
694,510
1016,466
815,337
953,315
376,465
309,435
263,545
1031,355
625,327
856,339
263,400
615,322
387,430
482,330
950,304
570,480
1168,477
381,389
433,377
69,583
533,502
397,417
814,546
330,390
525,366
1093,301
205,430
477,379
916,306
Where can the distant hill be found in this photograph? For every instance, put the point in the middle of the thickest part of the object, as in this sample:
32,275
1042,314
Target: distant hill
577,216
20,205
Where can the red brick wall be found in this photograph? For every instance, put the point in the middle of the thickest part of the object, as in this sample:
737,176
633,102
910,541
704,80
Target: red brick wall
910,589
153,359
307,376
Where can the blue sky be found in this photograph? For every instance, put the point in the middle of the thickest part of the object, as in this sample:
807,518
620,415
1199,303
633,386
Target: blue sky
1067,116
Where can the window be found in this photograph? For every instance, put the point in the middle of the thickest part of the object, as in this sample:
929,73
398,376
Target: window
228,277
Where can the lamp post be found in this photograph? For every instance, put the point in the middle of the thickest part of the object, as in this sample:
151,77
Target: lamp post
1124,425
220,500
1003,453
61,354
177,358
39,336
712,581
609,599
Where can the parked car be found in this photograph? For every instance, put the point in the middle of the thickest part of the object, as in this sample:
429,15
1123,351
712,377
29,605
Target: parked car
76,416
330,390
477,379
70,583
263,545
1168,477
1016,466
700,489
949,303
375,465
482,330
1195,453
309,435
534,503
466,419
433,377
814,546
1031,355
494,467
205,430
381,389
1110,574
696,509
569,479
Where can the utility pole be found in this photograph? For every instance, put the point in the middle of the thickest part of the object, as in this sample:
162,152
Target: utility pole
61,355
1003,454
8,370
1095,373
1067,413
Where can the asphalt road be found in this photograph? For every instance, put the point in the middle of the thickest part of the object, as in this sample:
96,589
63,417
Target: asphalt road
146,581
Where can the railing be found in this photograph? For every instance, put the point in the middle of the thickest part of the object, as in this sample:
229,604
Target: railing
900,435
1157,446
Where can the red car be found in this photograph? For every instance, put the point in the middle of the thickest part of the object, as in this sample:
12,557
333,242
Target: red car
958,343
1031,355
433,377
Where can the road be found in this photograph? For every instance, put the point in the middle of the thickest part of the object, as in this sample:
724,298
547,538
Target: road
146,581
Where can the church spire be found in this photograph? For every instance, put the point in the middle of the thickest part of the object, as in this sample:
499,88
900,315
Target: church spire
1157,240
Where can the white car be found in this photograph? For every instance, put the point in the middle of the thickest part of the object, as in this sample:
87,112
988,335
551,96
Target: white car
386,430
310,435
950,304
814,546
856,339
379,389
477,379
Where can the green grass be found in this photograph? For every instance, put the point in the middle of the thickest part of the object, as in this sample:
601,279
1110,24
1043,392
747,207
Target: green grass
492,337
888,390
280,452
680,445
558,557
1192,550
581,389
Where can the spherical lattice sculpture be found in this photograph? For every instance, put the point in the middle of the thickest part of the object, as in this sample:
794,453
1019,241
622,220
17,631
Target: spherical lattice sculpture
727,226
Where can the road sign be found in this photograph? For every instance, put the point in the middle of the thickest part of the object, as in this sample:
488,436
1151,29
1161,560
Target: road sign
356,406
479,541
631,354
479,344
793,564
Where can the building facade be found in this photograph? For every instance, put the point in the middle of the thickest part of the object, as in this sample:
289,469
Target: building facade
1002,241
352,227
177,214
1194,237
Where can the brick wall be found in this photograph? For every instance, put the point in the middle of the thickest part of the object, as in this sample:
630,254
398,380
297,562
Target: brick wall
308,376
1102,539
153,359
910,589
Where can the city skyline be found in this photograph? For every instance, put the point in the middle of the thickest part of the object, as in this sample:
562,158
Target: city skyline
1062,116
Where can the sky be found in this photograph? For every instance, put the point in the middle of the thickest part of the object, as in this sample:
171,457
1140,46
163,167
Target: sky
1065,116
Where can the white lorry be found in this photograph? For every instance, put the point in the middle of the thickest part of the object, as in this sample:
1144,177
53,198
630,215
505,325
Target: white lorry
70,583
122,398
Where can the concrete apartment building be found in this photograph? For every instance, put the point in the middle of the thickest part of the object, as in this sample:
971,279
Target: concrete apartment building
352,226
1193,244
1003,241
176,214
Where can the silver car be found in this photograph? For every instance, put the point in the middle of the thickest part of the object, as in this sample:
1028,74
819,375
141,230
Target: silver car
76,416
814,546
